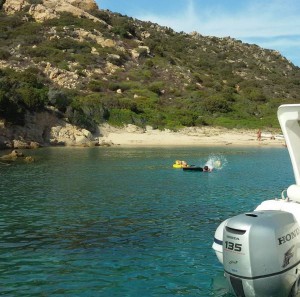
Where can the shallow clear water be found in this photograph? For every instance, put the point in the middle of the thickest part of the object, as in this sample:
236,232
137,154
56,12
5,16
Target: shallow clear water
123,222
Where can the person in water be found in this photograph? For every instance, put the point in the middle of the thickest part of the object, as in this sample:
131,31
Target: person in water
206,168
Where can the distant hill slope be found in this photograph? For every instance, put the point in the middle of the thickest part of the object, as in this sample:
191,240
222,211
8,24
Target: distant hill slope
91,66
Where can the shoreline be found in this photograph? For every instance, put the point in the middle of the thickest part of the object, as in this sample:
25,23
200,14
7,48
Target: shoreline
132,136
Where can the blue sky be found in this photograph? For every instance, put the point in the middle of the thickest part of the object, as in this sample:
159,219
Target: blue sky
271,24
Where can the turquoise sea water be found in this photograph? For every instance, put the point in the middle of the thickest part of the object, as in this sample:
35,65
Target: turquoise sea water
123,222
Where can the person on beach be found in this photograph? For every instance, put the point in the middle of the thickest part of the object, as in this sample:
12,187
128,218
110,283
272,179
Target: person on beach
258,135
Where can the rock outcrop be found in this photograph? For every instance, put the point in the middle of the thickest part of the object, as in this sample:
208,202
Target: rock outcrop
14,155
43,129
70,135
49,9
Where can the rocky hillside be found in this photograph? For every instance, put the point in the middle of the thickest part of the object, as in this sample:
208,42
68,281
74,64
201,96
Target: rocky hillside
81,66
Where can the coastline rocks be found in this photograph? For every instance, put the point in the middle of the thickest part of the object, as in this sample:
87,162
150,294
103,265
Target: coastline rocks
29,159
12,156
70,135
44,129
20,144
15,155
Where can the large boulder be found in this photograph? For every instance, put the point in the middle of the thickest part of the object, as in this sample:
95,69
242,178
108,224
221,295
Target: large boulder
70,135
12,156
13,6
49,9
15,155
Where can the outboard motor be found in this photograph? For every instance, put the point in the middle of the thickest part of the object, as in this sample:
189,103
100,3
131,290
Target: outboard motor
261,254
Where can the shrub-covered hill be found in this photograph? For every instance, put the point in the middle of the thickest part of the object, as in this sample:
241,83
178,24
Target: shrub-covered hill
116,69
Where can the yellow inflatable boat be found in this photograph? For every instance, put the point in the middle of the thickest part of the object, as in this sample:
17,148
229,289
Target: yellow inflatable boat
180,164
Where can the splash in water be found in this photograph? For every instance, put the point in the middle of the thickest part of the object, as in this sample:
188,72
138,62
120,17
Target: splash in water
216,162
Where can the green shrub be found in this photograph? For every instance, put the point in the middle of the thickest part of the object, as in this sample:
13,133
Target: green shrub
72,46
88,111
21,92
35,1
69,20
102,15
4,54
254,94
78,118
123,27
27,32
124,86
10,23
34,99
156,87
127,103
120,117
10,110
42,51
215,104
96,86
59,98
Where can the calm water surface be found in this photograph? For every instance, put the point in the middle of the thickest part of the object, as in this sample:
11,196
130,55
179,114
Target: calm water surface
123,222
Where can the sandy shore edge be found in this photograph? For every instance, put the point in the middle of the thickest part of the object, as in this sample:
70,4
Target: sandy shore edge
131,135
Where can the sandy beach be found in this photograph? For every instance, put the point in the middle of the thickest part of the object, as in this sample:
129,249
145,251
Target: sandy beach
193,136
